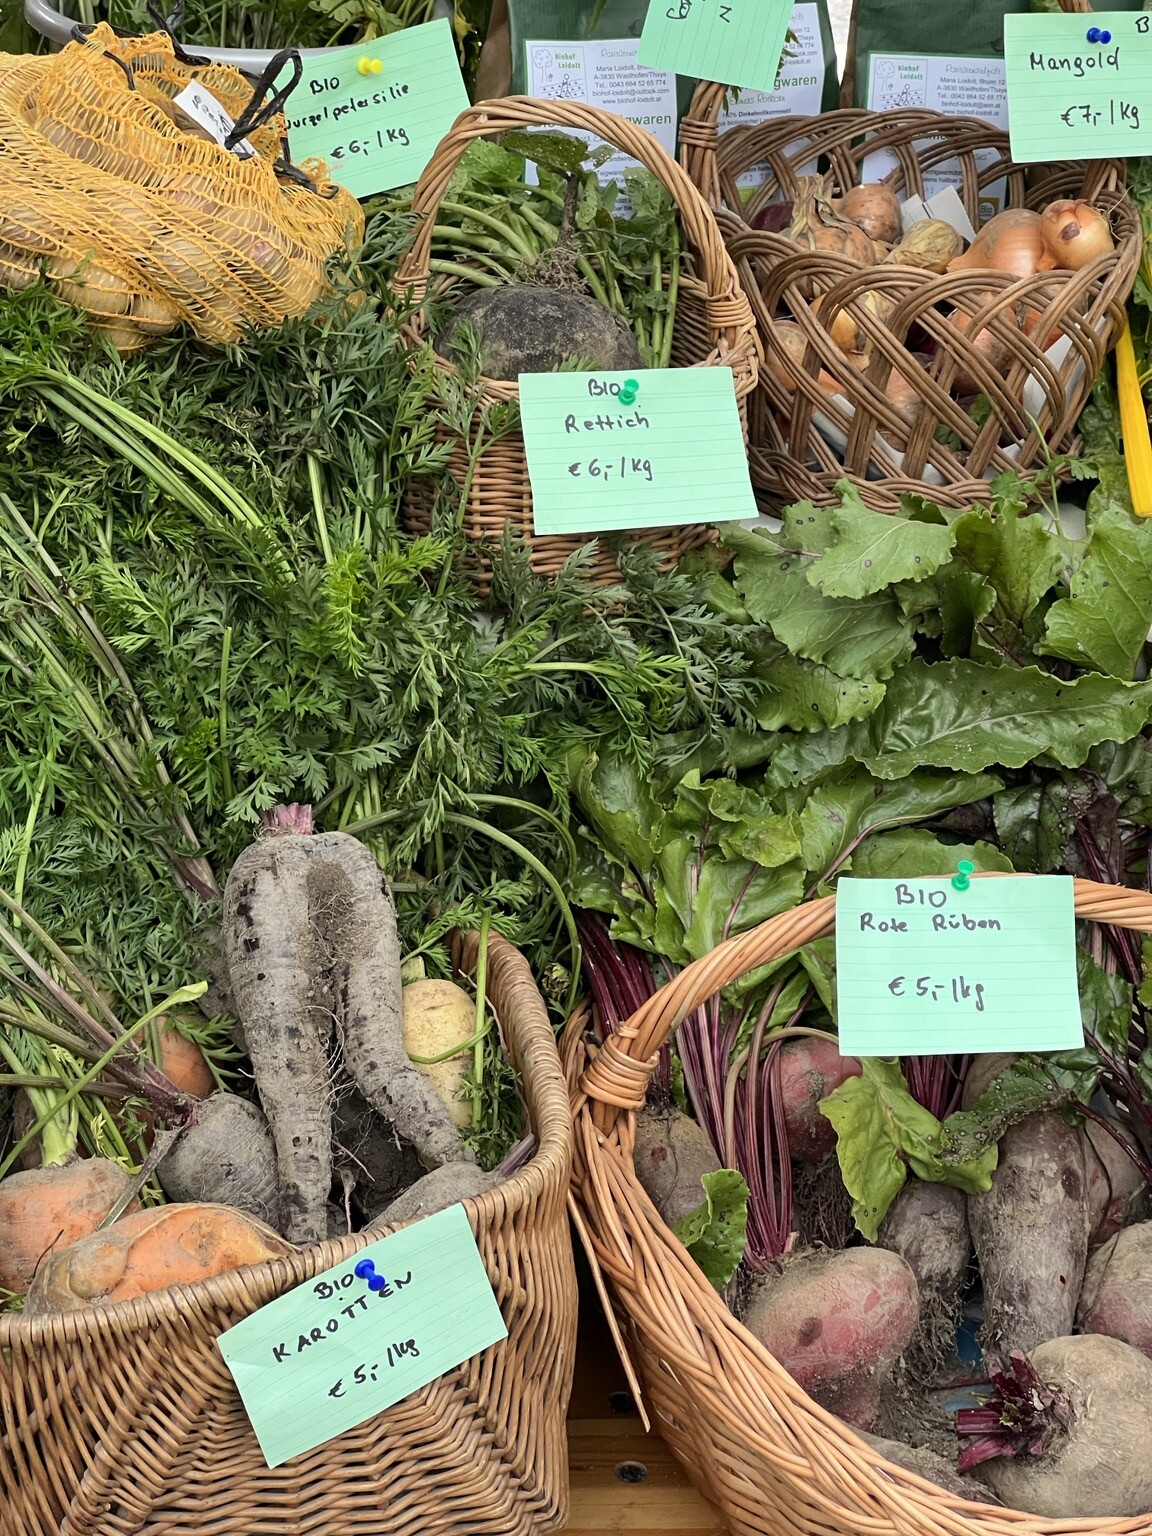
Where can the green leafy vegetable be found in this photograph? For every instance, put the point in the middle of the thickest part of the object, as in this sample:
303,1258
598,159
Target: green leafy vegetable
714,1233
881,1133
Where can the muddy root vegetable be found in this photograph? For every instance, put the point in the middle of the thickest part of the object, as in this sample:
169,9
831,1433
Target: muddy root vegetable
440,1017
46,1209
1117,1193
1030,1232
170,1245
227,1157
1117,1295
369,1156
436,1191
1098,1462
837,1323
672,1155
927,1225
811,1069
931,1467
310,941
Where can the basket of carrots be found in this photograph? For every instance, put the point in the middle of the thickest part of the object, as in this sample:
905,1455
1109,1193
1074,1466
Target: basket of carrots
510,278
915,343
118,1412
813,1378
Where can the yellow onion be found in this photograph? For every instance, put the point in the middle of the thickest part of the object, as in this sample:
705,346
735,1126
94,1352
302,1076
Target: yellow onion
1075,233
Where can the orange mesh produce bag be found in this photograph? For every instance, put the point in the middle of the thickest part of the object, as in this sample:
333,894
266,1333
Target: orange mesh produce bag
138,217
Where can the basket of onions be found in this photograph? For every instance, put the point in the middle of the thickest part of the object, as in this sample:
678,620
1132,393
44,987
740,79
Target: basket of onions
910,353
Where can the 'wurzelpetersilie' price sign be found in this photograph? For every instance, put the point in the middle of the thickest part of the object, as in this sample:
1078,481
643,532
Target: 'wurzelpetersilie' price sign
924,968
1079,87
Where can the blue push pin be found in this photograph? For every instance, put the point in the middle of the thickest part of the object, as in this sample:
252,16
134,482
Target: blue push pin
1105,37
366,1270
964,869
1093,34
628,391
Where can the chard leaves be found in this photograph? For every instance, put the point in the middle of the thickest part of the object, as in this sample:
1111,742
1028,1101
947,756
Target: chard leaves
872,550
1104,621
881,1133
715,1232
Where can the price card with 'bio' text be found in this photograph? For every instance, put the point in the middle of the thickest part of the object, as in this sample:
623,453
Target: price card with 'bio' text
924,969
374,112
648,449
1079,87
340,1349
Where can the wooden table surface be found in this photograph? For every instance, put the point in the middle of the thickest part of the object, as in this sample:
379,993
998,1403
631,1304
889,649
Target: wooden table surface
623,1480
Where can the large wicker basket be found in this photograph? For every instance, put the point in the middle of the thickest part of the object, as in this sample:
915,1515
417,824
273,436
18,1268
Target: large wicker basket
124,1421
815,422
713,328
772,1461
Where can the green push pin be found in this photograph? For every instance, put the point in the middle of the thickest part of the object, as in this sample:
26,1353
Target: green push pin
628,391
964,869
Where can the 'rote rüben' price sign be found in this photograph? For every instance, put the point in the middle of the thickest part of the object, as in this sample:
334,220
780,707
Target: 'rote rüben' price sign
735,42
374,112
1079,87
334,1352
602,456
924,969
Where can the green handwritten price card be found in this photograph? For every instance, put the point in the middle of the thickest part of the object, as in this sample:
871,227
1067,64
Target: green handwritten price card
604,456
923,969
340,1349
1079,87
737,42
374,112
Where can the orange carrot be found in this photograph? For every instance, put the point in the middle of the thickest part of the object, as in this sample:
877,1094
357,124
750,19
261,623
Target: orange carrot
169,1245
183,1062
47,1209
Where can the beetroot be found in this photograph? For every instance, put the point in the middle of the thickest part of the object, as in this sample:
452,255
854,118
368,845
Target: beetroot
1031,1234
810,1069
1117,1193
672,1155
1117,1294
837,1323
927,1225
1092,1458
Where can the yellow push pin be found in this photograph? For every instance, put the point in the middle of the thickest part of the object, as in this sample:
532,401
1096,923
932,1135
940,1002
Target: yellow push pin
367,66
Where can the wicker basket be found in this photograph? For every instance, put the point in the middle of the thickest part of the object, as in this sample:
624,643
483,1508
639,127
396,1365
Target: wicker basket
713,328
772,1461
806,437
124,1421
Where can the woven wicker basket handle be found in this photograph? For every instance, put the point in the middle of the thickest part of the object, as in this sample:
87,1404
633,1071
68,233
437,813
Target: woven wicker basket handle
618,1078
729,313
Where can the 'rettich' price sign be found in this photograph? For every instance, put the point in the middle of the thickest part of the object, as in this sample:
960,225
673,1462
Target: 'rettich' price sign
924,969
1079,87
338,1349
647,449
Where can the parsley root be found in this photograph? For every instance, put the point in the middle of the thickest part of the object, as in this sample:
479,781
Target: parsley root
309,935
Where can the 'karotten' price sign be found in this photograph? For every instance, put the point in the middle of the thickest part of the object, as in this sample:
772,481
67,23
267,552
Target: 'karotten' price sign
924,969
338,1349
603,455
374,112
1079,87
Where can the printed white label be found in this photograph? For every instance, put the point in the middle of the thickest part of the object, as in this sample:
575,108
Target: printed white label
203,108
957,87
799,86
606,74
